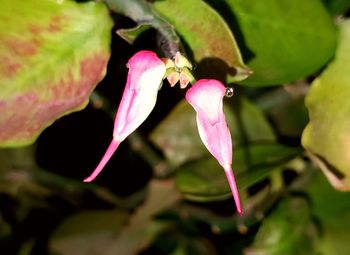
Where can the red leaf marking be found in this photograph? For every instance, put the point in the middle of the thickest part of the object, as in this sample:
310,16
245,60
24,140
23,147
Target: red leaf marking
54,26
9,66
23,47
24,115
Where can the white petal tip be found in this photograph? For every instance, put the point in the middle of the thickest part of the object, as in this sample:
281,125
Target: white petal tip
88,179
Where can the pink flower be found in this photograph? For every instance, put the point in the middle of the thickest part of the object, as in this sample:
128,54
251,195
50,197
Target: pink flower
206,97
145,75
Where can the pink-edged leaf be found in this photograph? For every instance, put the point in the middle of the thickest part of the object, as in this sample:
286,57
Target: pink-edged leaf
52,55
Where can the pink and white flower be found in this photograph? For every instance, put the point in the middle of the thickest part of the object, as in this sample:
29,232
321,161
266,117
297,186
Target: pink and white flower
206,97
145,75
146,72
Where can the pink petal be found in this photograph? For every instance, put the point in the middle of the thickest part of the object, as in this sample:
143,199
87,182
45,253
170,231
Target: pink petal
206,97
145,75
108,154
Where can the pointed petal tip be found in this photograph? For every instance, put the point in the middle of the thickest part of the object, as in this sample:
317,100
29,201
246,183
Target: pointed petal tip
240,211
107,156
232,182
88,179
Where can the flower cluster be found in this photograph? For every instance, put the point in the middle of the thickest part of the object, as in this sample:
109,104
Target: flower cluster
146,72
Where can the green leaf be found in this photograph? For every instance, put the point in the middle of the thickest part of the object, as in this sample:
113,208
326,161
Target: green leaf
257,161
22,180
337,7
290,118
111,232
288,230
130,34
177,135
84,232
142,228
53,54
285,108
332,210
142,13
284,40
204,179
208,36
254,127
327,134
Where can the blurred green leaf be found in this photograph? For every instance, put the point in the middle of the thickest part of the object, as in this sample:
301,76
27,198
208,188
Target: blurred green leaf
31,187
87,232
285,108
17,158
204,180
252,125
138,10
142,228
284,40
115,231
290,118
288,230
199,246
27,247
5,229
207,35
143,14
130,34
256,162
53,54
178,137
327,134
332,209
337,7
34,188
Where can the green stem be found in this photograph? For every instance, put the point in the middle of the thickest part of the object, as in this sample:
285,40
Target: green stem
142,13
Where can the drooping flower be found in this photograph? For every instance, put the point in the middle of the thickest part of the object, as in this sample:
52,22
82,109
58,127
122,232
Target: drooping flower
206,97
144,78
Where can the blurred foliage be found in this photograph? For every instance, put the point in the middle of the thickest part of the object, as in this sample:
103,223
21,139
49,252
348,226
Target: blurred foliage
162,193
295,45
288,230
331,211
337,7
329,120
196,25
203,180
